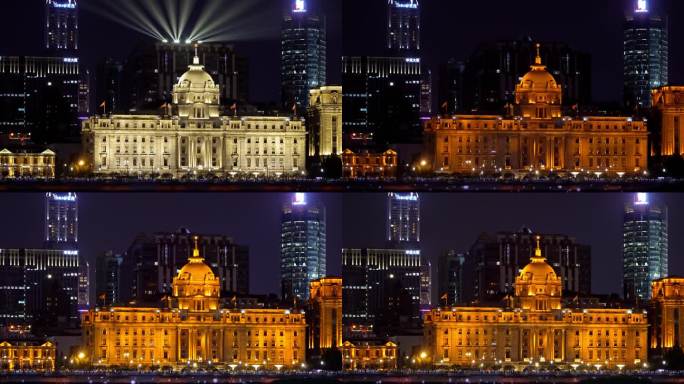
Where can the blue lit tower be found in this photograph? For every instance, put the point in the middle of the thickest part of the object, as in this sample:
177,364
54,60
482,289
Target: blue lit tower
303,242
403,33
61,233
61,221
645,247
403,218
61,28
303,56
646,55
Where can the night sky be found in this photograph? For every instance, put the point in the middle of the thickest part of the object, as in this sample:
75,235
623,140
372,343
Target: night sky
449,221
453,221
111,222
454,28
22,25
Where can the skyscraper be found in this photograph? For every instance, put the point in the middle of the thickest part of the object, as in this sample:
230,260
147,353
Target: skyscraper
303,248
645,247
403,26
61,32
107,279
403,218
646,55
303,55
382,289
61,233
61,221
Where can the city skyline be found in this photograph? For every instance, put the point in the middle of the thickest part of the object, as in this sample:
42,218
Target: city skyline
168,213
262,47
112,222
602,36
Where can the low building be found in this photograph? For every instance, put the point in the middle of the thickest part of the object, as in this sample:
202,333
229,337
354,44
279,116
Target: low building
191,138
324,124
24,164
534,330
668,106
667,313
369,164
325,314
27,355
190,329
364,355
536,136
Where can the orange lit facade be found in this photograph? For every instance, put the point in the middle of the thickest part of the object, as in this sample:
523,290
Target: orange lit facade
325,302
368,164
667,313
365,355
534,330
190,329
668,103
536,137
19,355
27,164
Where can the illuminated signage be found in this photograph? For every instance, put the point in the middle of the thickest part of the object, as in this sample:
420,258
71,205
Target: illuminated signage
67,197
69,5
413,4
413,252
642,6
71,59
71,253
300,6
641,199
408,197
299,199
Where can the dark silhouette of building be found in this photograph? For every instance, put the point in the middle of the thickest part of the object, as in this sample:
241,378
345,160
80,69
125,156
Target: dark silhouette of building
151,71
152,261
450,278
381,289
494,260
108,279
486,81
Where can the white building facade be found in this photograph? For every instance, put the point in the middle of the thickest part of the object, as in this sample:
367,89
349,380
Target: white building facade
191,138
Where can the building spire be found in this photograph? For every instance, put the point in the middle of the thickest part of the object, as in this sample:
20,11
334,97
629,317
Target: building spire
195,252
537,251
195,60
538,60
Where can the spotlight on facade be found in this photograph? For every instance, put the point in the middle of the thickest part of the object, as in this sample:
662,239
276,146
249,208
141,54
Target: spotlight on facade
165,41
176,41
188,41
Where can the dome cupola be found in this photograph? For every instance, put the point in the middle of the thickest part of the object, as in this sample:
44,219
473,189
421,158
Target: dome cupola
196,94
196,286
537,287
538,95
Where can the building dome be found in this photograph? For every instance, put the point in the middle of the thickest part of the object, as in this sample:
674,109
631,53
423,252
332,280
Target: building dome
537,287
538,78
196,76
538,271
195,286
196,271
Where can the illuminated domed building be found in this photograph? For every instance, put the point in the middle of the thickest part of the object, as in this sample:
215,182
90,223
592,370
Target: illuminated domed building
190,329
534,330
536,136
192,138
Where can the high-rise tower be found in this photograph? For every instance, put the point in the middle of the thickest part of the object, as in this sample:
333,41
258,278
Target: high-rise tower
303,56
61,220
403,218
645,247
61,28
303,248
646,55
403,33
